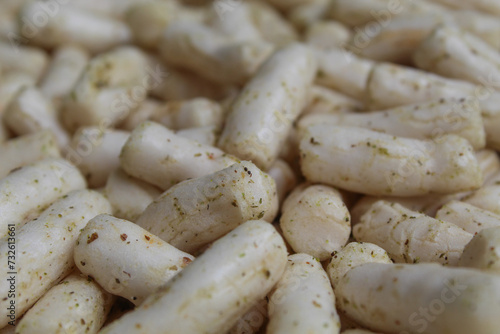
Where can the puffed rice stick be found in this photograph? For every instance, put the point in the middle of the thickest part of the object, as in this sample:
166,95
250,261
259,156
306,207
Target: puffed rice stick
129,196
353,255
326,35
67,65
392,85
399,298
147,20
112,86
198,112
31,111
262,115
196,212
125,259
486,197
70,24
216,289
24,59
96,152
370,162
77,304
303,299
45,248
455,54
429,204
28,191
157,155
315,220
10,84
211,54
409,236
343,71
483,252
420,121
467,216
359,12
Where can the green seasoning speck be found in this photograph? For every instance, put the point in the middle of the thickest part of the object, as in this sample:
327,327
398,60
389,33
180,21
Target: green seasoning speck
383,150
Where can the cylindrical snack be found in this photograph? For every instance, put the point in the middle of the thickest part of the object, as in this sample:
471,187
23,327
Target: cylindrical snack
67,65
125,259
487,198
483,25
238,23
27,149
113,85
420,121
359,12
420,298
113,8
326,35
28,191
77,305
41,263
261,117
197,212
353,255
483,252
211,54
467,216
429,204
395,40
392,86
148,19
198,112
340,70
374,163
272,25
315,220
24,59
31,111
11,84
216,289
426,204
65,24
451,53
409,236
129,196
157,155
96,152
304,15
284,177
303,300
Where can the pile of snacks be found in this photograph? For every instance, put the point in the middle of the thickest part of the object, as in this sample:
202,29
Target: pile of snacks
250,166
